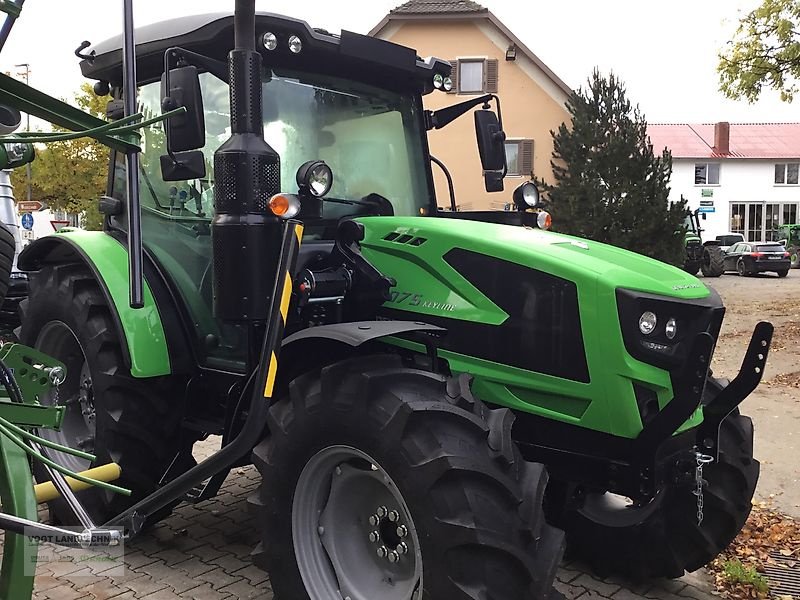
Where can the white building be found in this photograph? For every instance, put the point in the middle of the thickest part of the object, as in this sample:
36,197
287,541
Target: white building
745,178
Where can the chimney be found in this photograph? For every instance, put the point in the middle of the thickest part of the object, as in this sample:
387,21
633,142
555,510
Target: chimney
722,138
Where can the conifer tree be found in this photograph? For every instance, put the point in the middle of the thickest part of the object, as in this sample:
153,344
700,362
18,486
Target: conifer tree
609,184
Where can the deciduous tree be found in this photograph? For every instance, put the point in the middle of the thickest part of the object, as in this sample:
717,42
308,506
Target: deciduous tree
764,52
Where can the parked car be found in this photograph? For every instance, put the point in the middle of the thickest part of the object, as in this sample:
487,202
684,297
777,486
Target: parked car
748,258
728,240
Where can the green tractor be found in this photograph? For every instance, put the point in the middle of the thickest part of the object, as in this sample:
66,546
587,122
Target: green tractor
706,257
274,270
790,237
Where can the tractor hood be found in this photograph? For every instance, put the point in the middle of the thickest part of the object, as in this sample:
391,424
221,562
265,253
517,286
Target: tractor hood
431,239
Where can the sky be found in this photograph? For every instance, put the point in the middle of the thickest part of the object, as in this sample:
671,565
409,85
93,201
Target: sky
665,52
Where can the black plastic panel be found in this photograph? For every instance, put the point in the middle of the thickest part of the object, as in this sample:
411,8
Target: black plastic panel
543,330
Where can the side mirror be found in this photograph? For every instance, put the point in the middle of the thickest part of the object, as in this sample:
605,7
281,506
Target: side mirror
492,149
183,166
491,141
181,87
493,181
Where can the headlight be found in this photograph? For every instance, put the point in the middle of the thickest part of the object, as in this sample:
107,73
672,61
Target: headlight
526,196
438,81
447,84
647,322
295,44
671,329
270,41
315,177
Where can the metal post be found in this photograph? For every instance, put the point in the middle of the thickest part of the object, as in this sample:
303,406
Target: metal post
136,297
28,178
9,23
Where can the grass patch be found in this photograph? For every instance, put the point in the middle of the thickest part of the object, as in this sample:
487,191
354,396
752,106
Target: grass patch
737,573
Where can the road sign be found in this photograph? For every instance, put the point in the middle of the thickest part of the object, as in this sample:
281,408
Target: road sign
27,234
58,224
26,206
706,203
27,221
707,209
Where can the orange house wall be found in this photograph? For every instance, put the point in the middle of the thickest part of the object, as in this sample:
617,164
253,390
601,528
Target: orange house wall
528,111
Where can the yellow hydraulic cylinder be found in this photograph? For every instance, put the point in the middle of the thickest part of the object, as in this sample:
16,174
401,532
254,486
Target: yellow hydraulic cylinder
45,492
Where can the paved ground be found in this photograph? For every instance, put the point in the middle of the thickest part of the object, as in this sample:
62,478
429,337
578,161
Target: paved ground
202,552
775,405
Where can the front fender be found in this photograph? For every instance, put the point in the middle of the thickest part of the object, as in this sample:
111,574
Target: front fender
145,348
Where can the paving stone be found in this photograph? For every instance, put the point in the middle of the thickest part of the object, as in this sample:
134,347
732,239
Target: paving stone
590,583
244,589
143,584
570,591
206,592
252,573
218,578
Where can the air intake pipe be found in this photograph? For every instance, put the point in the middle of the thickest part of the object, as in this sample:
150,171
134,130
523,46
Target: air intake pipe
246,236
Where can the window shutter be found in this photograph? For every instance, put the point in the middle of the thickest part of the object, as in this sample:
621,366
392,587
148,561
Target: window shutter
526,158
454,76
491,68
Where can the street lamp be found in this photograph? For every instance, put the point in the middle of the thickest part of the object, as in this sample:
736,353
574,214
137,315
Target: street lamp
27,75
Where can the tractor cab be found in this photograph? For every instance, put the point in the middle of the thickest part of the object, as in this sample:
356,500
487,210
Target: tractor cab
343,112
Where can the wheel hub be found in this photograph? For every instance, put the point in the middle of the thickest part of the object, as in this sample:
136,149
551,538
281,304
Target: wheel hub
389,534
353,534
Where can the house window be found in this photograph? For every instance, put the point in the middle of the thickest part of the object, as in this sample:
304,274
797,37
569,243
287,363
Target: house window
519,158
787,173
706,174
474,75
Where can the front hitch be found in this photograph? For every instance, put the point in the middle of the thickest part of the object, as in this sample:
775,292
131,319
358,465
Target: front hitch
724,403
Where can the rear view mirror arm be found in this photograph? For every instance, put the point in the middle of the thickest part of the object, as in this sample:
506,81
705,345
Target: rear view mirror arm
444,116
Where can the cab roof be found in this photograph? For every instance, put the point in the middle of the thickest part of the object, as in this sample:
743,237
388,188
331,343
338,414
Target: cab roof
349,55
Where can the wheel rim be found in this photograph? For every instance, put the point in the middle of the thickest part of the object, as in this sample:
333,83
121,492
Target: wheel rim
794,259
614,510
740,268
78,428
353,534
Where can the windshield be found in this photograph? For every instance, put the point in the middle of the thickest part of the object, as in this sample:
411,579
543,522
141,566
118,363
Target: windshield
371,138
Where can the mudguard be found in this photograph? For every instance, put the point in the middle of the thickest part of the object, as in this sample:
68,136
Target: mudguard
145,348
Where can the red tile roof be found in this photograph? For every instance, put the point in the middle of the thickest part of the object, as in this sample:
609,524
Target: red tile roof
747,140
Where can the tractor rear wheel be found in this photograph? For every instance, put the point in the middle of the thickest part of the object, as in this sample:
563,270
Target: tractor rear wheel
381,481
794,256
713,261
108,413
663,538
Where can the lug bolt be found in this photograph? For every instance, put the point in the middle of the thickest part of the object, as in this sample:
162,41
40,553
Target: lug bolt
382,551
382,511
374,520
321,530
338,470
374,536
402,548
393,557
402,531
394,516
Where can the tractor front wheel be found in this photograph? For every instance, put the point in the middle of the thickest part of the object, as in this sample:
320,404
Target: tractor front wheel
381,481
132,422
663,538
713,261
